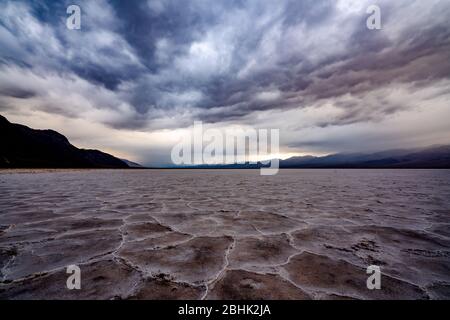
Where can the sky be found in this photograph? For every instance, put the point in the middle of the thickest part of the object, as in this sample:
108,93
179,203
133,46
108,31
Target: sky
136,76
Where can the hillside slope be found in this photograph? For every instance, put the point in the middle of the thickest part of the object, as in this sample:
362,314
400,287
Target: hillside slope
23,147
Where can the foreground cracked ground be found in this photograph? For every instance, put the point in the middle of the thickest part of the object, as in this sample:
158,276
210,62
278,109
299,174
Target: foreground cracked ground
212,234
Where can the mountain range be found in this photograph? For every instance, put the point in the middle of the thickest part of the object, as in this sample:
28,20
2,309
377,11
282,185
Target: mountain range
23,147
433,157
428,157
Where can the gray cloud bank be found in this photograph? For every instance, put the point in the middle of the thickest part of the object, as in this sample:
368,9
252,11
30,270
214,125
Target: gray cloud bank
149,65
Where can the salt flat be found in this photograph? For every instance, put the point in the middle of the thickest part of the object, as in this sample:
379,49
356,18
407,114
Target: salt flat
225,234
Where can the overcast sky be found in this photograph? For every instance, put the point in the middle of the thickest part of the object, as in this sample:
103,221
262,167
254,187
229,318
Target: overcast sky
137,74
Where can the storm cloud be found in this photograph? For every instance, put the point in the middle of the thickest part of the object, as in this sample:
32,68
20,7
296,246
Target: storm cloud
146,66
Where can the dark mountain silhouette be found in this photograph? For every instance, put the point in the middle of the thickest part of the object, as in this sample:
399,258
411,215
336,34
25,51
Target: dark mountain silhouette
430,157
434,157
23,147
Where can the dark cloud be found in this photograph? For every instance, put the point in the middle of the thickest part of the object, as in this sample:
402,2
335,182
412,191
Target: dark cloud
224,60
17,93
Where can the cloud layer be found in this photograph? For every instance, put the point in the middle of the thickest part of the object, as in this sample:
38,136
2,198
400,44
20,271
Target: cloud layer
311,68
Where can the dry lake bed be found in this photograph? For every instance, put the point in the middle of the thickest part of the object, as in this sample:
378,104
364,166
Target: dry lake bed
225,234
